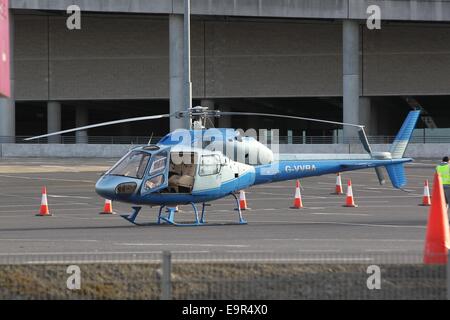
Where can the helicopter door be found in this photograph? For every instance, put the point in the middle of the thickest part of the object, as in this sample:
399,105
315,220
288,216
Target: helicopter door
209,173
156,178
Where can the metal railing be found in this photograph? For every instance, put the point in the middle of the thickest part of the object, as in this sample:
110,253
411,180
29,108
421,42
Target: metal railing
138,140
221,275
141,140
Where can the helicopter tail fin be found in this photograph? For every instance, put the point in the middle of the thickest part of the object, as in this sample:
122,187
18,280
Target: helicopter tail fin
403,137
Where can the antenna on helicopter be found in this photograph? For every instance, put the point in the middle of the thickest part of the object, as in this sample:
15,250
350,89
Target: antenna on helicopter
150,140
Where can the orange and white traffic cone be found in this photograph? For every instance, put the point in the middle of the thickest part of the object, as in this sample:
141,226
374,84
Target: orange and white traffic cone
338,189
107,208
44,211
426,199
242,200
437,239
298,197
350,201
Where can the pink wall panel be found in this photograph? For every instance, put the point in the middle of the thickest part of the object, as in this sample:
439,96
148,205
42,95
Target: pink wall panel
4,49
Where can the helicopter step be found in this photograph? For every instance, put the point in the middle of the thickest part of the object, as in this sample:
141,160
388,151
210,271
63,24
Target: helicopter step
168,217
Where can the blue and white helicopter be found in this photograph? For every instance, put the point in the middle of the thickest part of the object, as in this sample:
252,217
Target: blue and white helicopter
201,165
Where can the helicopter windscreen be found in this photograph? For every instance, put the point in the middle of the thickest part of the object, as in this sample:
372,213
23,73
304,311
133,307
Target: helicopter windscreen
133,165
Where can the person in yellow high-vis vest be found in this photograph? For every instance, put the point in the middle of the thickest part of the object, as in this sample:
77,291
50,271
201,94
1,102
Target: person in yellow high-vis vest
444,172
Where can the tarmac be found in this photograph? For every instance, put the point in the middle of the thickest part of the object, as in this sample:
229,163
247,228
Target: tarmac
387,221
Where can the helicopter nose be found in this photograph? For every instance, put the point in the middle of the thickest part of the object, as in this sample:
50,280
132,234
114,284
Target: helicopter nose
116,187
105,188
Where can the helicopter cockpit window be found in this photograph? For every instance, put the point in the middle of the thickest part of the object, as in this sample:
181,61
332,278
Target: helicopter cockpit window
209,165
159,163
133,165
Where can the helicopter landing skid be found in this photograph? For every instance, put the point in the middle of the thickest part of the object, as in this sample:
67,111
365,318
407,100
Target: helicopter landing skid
132,217
169,218
238,209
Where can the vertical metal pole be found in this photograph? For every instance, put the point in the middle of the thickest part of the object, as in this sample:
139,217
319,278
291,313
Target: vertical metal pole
166,283
187,57
289,137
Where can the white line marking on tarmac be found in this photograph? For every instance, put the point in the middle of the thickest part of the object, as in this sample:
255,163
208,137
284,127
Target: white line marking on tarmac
34,205
47,179
72,209
184,245
384,250
320,250
393,206
332,198
61,196
337,223
345,240
87,253
338,213
50,240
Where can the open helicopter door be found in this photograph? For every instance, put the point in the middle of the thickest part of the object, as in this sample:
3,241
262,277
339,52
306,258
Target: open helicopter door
156,178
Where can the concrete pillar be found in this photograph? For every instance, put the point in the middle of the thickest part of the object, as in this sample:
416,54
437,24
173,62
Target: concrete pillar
350,68
54,120
81,120
373,119
366,115
176,70
8,105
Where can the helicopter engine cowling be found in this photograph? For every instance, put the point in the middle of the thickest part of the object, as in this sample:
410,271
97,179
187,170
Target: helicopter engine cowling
244,150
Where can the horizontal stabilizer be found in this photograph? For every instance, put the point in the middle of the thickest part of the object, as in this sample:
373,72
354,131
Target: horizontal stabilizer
397,175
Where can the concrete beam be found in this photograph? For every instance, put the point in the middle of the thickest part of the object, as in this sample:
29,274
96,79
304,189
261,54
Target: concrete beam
132,6
330,9
409,10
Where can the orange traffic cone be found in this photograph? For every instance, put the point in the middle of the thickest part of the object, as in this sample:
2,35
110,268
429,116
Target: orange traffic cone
338,189
437,241
44,211
298,197
426,200
242,200
350,202
107,208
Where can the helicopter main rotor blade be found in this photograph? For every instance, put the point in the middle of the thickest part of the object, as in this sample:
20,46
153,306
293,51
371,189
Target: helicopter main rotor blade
231,113
102,124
